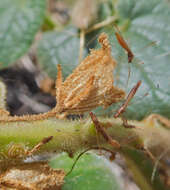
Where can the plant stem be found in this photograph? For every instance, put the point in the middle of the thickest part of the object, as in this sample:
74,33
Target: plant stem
69,136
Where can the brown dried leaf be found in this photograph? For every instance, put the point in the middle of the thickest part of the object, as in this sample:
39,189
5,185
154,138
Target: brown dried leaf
32,176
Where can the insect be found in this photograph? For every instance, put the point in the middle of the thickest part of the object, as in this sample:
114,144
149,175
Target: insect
91,83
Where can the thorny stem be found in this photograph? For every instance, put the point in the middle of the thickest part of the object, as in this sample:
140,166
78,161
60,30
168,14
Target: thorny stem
69,136
73,136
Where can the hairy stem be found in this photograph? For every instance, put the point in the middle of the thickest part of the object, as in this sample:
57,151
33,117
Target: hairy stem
69,136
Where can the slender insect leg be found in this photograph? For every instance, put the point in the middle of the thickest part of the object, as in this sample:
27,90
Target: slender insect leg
39,145
125,123
103,132
128,99
125,104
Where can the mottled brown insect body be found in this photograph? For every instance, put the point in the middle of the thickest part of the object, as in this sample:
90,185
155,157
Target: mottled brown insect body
91,83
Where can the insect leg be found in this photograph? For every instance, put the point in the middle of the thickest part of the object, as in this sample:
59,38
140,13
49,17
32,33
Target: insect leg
103,132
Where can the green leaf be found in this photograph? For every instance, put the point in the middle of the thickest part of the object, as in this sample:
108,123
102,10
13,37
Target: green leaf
142,170
60,47
90,173
19,22
134,8
148,23
105,10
